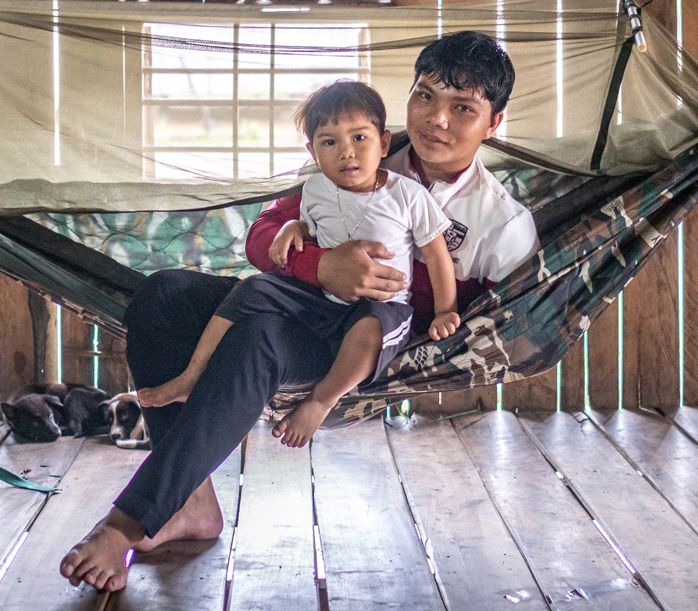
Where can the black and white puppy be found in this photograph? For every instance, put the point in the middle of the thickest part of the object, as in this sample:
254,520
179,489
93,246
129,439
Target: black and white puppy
44,412
128,429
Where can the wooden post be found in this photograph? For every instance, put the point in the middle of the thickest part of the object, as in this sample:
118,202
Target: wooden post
603,360
16,343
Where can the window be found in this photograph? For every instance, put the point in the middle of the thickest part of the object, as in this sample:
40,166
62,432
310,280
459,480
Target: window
210,114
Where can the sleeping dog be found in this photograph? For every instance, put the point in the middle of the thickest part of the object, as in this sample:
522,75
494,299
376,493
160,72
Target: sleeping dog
128,429
44,412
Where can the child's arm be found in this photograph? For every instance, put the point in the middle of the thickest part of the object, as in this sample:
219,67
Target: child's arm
443,281
293,232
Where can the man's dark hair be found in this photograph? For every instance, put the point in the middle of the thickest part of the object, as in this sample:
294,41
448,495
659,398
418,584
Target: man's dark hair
469,60
342,97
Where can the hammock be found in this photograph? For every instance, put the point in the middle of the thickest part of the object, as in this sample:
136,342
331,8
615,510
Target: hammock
599,142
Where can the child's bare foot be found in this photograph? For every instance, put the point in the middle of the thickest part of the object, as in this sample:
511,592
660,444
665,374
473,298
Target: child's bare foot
100,558
296,428
177,389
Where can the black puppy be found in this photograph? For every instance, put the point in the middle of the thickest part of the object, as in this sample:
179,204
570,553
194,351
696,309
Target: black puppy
43,412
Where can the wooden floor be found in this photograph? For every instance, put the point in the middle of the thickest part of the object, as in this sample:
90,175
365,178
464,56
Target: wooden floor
541,511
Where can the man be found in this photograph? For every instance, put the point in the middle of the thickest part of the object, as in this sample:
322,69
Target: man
462,84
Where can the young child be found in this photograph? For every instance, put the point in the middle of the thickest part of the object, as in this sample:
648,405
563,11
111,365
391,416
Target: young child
351,199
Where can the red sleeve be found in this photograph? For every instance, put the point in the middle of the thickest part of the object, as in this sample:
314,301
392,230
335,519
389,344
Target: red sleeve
302,265
423,296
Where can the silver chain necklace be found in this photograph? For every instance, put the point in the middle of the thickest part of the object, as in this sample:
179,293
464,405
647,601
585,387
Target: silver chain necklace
350,234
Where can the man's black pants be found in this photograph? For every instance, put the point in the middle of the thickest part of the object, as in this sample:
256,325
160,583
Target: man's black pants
259,353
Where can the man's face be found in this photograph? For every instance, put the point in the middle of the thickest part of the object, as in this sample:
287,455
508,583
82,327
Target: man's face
447,125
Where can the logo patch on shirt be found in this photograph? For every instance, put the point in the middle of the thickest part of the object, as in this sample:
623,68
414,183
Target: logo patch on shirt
455,235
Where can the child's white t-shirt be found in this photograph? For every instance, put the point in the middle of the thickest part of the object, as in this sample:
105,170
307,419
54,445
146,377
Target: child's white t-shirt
400,215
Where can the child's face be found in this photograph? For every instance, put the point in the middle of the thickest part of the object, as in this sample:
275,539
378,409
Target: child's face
348,152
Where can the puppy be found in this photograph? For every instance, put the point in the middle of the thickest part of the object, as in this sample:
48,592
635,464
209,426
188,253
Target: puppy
32,417
128,429
43,412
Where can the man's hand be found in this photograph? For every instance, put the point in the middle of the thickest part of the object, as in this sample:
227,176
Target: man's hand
290,234
348,271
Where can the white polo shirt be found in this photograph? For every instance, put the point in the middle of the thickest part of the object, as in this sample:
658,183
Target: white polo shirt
491,233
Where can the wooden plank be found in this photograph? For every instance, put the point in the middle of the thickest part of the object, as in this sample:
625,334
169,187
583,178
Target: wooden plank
438,405
275,551
658,449
572,374
538,392
16,342
33,582
562,546
687,419
187,575
656,540
373,558
473,555
650,332
42,463
76,335
113,370
603,360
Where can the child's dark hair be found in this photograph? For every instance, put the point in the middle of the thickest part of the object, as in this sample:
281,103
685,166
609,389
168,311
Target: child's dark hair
343,97
469,60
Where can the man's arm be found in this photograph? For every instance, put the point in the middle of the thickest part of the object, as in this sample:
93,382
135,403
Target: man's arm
348,271
265,229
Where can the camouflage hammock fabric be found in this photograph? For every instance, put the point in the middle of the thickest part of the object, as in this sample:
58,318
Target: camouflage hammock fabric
524,325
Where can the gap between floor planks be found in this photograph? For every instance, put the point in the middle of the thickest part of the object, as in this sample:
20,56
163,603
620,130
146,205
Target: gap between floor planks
656,540
573,564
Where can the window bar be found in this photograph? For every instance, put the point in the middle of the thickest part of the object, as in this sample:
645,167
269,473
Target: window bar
95,358
502,130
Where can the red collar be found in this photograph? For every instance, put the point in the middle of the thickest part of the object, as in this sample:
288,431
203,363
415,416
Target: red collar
415,164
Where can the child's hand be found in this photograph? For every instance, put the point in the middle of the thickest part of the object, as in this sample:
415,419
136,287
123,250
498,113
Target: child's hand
290,233
443,325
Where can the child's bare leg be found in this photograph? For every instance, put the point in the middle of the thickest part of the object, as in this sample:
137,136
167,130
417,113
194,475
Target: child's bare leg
355,361
178,388
100,558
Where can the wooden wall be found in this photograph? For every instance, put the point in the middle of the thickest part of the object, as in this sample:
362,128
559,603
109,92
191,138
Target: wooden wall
28,345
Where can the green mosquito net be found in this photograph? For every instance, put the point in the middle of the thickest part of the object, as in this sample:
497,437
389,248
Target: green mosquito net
139,136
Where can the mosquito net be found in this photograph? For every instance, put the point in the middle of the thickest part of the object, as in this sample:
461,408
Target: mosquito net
142,136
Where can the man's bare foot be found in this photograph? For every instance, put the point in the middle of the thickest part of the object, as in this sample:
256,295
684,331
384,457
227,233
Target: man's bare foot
296,428
176,390
200,518
100,558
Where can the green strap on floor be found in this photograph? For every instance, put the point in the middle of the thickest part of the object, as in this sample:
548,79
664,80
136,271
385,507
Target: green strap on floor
20,482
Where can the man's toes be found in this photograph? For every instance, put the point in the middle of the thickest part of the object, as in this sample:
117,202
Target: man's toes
69,562
90,577
101,580
115,583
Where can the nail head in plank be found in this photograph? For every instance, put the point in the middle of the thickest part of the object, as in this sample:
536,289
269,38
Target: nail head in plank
187,575
275,553
41,463
651,534
33,582
557,537
477,563
661,451
373,558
